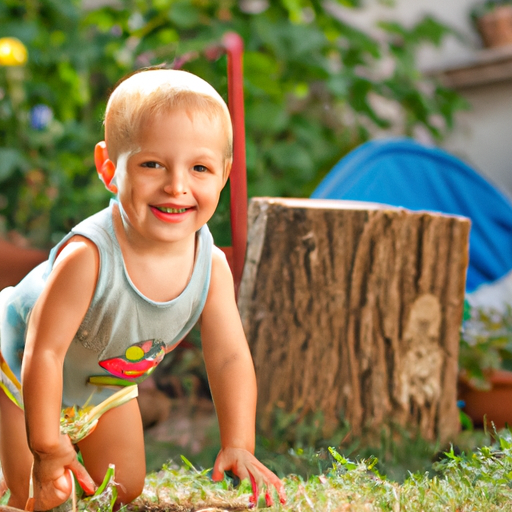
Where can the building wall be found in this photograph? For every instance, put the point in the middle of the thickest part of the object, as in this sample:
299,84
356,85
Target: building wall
483,136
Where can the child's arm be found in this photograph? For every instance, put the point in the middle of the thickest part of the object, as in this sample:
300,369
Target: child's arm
233,383
53,323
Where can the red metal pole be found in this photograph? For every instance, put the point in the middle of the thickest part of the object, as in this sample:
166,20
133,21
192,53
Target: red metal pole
234,45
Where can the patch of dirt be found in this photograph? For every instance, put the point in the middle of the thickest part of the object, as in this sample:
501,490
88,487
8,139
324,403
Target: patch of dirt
189,425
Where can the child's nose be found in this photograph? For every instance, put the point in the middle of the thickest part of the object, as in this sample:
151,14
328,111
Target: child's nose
176,183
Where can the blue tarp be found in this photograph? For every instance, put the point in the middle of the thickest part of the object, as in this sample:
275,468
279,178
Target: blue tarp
402,172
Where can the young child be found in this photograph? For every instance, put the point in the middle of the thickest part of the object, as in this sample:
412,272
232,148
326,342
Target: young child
121,290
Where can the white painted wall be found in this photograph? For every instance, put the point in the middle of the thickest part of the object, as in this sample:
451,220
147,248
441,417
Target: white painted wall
483,136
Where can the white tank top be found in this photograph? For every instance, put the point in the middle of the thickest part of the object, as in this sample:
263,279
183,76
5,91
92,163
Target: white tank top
124,335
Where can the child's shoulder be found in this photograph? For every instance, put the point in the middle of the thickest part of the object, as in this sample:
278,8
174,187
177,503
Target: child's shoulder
78,250
219,259
85,239
221,272
217,252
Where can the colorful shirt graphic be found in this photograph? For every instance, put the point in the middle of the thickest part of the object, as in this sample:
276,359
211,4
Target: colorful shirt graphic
137,363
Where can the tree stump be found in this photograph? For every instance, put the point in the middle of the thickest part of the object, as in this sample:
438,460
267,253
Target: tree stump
354,309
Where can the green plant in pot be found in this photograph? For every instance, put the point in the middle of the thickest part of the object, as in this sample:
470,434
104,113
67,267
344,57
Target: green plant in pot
485,363
493,20
485,345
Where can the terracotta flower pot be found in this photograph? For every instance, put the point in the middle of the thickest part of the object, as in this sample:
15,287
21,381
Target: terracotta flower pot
16,262
495,27
495,404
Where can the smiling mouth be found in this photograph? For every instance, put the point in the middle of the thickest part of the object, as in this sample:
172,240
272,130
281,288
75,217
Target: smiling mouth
170,210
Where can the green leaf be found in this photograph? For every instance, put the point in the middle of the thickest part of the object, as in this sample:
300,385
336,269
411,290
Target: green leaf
465,421
346,463
291,155
393,27
338,85
267,117
262,71
431,30
349,3
109,475
10,160
188,463
184,14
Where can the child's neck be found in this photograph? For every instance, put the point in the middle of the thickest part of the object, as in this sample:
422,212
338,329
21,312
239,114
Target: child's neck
159,271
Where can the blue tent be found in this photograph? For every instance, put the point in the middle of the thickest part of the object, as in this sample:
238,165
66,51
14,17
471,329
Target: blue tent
402,172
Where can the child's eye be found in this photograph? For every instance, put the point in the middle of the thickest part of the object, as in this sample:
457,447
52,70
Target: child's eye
200,168
151,165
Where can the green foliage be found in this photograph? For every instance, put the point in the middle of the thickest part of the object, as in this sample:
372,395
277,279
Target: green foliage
486,343
313,85
45,174
300,443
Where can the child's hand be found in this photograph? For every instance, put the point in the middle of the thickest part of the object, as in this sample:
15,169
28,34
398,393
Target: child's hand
51,477
244,465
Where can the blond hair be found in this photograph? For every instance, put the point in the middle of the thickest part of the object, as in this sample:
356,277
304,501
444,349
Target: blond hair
148,93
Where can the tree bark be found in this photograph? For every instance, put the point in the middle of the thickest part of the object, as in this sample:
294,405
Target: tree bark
354,309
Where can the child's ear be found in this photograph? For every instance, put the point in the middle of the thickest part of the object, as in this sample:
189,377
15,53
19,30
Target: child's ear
105,167
227,170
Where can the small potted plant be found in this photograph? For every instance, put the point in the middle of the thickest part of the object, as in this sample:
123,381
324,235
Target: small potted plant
485,361
493,20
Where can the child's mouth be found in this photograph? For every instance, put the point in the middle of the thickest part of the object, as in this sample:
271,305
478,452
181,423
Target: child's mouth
170,210
172,214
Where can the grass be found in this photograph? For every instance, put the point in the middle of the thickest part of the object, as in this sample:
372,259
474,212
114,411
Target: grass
393,472
458,480
477,480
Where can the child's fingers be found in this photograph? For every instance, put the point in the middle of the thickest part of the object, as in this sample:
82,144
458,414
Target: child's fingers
282,494
63,486
218,471
278,484
255,491
270,480
50,494
268,498
83,477
245,465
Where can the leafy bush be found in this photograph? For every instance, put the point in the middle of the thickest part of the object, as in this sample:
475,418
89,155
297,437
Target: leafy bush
315,88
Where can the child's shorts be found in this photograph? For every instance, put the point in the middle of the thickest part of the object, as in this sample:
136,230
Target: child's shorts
11,344
9,383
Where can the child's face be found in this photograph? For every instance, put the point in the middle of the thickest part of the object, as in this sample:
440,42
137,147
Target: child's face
171,187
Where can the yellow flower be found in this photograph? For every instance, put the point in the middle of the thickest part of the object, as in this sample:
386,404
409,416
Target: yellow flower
12,52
